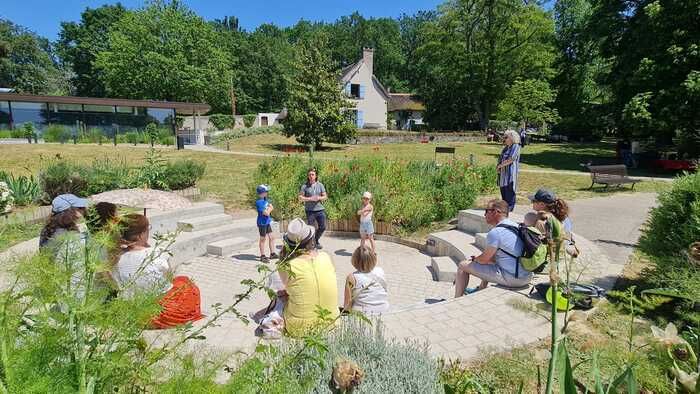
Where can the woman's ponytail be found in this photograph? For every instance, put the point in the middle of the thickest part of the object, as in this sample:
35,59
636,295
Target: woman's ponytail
559,208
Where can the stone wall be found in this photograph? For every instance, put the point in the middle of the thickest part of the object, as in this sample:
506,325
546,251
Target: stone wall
403,138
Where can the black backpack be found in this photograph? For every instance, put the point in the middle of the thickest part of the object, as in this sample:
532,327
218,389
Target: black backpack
531,239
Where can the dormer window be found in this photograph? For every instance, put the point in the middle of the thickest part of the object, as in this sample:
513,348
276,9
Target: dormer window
355,91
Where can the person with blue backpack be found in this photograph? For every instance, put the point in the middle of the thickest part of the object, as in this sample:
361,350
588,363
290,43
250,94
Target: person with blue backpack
500,262
264,208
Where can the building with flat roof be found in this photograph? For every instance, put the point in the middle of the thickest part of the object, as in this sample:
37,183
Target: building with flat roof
109,115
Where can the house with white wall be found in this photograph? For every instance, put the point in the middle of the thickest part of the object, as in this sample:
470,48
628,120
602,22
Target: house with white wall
366,92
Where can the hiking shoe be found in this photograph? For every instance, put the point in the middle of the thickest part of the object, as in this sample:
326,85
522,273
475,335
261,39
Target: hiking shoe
471,290
264,259
274,256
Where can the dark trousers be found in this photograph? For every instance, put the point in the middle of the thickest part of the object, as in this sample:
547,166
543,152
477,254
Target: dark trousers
508,195
318,220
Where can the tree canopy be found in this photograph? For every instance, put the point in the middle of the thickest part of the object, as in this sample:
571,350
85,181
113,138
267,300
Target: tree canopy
528,102
317,109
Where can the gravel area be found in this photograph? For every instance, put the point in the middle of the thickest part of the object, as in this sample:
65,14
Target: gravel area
143,198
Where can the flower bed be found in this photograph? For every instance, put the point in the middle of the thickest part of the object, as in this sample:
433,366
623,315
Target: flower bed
407,194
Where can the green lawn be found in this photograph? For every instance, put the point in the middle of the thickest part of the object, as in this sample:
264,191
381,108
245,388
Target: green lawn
227,176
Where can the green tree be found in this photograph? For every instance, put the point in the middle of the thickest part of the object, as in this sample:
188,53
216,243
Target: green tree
528,101
80,42
27,62
652,48
474,50
317,110
166,52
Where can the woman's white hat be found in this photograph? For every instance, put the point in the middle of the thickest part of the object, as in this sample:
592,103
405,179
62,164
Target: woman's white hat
367,195
299,232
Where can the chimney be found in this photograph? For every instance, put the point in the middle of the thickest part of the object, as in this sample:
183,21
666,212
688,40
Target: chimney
368,58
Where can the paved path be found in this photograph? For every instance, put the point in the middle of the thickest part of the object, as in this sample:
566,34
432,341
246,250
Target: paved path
612,222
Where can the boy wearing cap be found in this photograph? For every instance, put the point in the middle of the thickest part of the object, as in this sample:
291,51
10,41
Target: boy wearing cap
264,208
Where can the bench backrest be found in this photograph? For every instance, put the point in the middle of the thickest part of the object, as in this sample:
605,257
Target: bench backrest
615,169
444,149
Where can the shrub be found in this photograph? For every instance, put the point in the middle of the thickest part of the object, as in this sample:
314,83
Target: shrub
182,174
92,136
25,189
221,121
56,133
165,137
134,137
152,173
247,131
105,174
6,199
60,177
407,194
675,223
17,133
5,133
249,120
389,366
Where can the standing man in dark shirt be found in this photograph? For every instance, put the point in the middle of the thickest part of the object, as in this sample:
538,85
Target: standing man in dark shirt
312,193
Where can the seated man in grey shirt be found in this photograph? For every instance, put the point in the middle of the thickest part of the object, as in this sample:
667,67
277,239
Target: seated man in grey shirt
495,263
312,193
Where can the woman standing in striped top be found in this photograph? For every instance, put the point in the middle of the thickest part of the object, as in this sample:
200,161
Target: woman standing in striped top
508,166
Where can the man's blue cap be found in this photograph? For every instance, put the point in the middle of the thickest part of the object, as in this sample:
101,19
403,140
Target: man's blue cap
67,201
262,189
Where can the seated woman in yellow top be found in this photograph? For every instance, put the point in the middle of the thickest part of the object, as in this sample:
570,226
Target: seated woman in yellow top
310,281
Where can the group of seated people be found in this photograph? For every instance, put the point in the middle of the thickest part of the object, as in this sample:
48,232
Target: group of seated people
498,262
306,281
132,264
307,286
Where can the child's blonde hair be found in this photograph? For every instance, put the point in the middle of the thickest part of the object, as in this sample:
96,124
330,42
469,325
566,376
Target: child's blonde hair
364,259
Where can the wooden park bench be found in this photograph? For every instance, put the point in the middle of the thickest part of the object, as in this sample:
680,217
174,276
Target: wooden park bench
611,175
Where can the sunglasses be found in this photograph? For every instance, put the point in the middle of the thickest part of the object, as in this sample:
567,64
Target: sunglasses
487,210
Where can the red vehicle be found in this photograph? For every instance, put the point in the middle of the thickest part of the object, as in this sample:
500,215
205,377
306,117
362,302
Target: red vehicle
669,161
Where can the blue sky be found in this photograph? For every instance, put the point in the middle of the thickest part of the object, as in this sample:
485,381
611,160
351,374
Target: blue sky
44,16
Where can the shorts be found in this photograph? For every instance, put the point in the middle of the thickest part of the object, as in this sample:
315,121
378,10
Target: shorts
493,273
366,228
264,230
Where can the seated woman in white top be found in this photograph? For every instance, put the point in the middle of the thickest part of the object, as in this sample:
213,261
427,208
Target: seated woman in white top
142,267
366,289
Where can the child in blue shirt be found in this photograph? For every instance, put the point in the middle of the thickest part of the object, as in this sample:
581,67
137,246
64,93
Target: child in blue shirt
264,209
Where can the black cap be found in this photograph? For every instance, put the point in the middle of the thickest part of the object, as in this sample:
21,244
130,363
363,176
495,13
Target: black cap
543,195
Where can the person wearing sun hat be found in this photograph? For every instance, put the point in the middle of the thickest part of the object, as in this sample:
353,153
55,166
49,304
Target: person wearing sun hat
310,281
67,210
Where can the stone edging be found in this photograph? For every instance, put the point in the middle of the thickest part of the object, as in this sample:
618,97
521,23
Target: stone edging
380,237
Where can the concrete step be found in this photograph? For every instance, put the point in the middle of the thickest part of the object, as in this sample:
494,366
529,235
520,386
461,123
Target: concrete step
227,247
204,222
189,245
472,221
444,268
163,222
480,240
454,243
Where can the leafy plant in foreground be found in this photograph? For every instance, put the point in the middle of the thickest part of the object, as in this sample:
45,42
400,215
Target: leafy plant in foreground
25,189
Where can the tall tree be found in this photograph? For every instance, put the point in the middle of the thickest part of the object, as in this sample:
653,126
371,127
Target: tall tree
474,50
80,42
654,76
166,52
317,110
27,63
528,102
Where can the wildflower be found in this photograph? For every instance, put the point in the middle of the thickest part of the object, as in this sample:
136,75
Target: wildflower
667,337
688,381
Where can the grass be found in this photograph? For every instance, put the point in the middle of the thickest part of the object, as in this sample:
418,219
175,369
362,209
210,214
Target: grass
225,179
12,234
227,176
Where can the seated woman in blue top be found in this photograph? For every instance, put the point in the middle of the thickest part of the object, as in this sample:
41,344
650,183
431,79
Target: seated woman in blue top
264,208
496,263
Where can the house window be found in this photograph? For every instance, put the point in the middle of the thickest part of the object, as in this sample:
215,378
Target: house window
263,121
355,90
